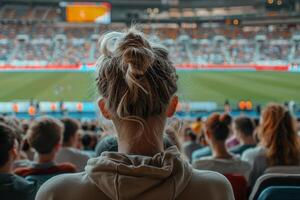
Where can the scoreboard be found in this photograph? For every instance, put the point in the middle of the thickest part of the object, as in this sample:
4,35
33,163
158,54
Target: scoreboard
88,12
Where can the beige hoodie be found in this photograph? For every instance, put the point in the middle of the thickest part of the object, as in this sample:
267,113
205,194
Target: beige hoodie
120,176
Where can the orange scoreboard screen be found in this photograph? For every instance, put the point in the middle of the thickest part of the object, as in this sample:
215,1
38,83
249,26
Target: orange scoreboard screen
88,12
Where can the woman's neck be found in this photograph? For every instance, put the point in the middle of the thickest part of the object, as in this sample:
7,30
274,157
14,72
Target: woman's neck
220,151
139,147
132,139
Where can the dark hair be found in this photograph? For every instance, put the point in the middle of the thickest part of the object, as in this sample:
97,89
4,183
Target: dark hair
226,118
188,132
256,122
25,146
15,124
71,127
85,126
193,136
7,141
244,125
86,140
218,125
44,133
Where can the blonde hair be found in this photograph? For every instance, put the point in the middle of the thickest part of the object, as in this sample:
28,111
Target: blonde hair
135,76
279,136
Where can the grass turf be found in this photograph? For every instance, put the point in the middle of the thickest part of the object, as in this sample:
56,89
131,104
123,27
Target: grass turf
259,87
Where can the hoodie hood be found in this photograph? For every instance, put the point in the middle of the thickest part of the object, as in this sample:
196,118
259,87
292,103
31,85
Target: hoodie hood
122,177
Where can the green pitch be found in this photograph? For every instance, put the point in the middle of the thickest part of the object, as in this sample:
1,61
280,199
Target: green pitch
193,86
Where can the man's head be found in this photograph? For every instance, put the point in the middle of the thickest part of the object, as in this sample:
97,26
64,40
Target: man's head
8,145
243,127
45,134
70,133
15,124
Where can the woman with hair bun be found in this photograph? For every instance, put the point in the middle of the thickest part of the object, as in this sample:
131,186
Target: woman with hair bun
222,161
137,83
279,143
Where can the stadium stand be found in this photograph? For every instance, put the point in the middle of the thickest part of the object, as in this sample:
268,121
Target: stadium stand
40,45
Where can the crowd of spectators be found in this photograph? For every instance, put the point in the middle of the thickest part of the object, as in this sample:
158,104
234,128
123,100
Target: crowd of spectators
46,147
29,13
44,43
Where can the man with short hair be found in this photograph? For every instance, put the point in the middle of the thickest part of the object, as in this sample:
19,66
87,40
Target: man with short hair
68,153
12,187
243,128
44,136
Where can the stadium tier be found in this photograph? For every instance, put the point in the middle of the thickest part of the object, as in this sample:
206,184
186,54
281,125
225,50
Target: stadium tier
73,47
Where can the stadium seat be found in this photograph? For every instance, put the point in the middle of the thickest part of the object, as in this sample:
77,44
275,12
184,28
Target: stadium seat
239,186
269,180
280,193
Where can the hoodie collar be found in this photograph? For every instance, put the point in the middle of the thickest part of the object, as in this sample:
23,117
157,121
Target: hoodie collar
121,176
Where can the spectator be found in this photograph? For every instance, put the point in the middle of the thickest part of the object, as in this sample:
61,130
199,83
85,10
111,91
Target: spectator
87,143
217,131
279,143
197,126
137,83
68,153
27,149
190,144
206,151
14,123
45,135
12,187
232,141
243,128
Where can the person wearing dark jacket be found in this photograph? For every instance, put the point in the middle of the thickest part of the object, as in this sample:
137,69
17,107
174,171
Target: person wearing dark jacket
12,187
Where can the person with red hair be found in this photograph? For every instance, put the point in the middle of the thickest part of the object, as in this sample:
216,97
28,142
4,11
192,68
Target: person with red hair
222,161
279,143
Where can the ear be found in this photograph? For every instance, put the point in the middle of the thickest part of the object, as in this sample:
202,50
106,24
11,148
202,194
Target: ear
104,111
172,106
14,152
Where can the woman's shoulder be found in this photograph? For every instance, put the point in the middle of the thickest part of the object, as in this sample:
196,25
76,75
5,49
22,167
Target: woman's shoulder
208,184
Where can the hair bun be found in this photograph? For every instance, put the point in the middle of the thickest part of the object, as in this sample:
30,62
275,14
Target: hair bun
226,119
136,53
